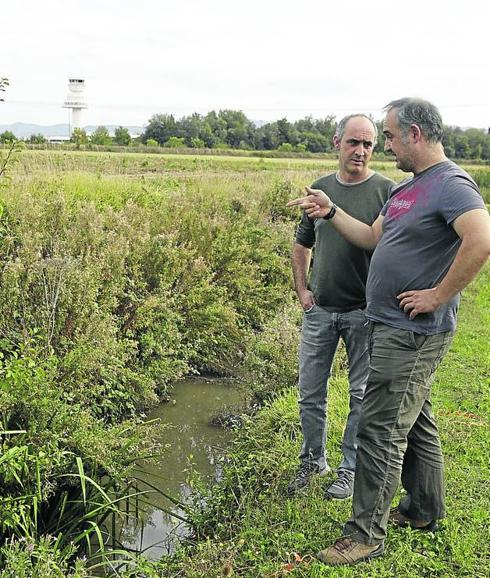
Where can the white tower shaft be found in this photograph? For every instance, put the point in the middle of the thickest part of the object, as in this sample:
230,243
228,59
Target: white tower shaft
76,118
75,100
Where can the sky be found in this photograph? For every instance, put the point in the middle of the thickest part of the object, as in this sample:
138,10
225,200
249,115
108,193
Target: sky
269,58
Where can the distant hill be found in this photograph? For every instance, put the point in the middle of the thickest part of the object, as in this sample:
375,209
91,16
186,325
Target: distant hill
24,130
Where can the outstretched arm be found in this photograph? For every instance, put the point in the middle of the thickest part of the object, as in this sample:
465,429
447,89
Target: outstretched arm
317,204
473,227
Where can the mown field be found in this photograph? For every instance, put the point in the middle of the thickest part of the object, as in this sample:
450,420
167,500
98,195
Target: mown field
121,273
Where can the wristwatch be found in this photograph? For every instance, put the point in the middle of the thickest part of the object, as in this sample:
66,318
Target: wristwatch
331,213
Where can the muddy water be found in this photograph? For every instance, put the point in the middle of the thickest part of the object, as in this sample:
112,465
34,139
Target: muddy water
189,439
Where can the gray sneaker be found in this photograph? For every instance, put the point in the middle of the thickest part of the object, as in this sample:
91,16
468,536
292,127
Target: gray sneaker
342,487
303,477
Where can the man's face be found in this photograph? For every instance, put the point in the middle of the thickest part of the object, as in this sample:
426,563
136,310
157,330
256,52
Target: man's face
396,143
356,148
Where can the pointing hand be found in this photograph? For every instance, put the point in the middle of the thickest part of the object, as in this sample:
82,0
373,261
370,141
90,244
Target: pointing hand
316,203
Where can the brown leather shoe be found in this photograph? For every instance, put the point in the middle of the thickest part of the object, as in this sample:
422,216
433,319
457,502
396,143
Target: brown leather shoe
348,551
399,519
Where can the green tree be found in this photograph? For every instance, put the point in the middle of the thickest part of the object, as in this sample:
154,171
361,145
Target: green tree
461,146
476,142
122,136
326,126
316,134
210,138
267,137
306,124
7,136
471,143
315,142
79,137
485,153
101,136
191,128
448,141
160,128
151,142
287,133
238,129
37,138
380,145
216,126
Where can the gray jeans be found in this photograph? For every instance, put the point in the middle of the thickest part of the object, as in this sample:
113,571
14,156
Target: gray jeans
319,340
398,437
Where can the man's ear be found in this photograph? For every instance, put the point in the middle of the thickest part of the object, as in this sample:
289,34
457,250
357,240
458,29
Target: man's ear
336,141
415,132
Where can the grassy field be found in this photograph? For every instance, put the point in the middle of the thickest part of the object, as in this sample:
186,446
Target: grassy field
138,268
109,165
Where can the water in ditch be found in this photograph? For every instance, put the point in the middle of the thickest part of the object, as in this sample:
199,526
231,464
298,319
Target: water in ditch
191,442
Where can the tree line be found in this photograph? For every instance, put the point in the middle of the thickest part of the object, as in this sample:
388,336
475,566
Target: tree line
231,129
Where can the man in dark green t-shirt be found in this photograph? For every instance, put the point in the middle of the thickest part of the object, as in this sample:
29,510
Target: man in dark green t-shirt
333,301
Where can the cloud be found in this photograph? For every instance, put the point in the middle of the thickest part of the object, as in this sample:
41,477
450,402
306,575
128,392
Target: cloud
275,57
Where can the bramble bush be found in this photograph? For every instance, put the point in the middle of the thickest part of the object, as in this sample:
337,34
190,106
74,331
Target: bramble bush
132,297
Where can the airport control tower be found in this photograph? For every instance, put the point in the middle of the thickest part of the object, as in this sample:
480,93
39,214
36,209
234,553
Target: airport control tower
75,99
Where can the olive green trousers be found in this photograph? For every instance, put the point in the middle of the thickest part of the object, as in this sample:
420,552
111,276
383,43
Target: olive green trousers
397,436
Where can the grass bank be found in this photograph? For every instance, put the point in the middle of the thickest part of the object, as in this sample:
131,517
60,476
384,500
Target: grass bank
254,530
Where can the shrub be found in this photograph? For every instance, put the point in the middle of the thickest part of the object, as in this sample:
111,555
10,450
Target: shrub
266,369
198,143
273,203
174,142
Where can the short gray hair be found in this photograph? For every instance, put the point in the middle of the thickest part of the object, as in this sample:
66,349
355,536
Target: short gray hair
420,112
340,130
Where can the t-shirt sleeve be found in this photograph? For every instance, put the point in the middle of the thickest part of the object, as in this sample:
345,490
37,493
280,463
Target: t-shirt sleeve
460,195
305,233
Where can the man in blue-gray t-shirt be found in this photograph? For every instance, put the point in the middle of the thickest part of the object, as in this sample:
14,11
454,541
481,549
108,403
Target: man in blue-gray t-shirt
431,239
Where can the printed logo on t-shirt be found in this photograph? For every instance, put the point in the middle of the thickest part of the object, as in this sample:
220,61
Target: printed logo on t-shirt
402,203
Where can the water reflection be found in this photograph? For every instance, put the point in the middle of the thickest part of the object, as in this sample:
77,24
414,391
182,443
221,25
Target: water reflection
190,441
